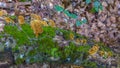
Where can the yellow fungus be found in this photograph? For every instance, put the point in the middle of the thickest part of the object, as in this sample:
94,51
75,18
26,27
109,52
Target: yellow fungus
21,20
109,54
77,40
93,50
35,17
8,20
71,36
44,23
52,23
36,26
83,41
3,12
101,53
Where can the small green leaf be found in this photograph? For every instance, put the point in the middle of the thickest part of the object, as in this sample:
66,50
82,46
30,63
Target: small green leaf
70,14
13,17
32,60
88,1
73,16
96,9
101,7
67,13
96,4
15,49
93,10
78,23
53,51
58,8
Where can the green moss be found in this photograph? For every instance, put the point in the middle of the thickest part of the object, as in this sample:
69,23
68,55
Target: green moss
48,31
83,48
17,34
13,17
69,49
27,30
66,33
1,36
80,36
89,64
24,34
44,45
103,47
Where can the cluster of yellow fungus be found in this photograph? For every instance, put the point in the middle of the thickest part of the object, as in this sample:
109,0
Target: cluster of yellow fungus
3,12
71,36
103,53
77,40
21,20
52,23
93,50
37,23
8,20
43,23
83,41
74,66
35,17
109,54
36,26
38,18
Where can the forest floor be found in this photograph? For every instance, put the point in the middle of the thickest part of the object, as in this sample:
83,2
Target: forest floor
101,26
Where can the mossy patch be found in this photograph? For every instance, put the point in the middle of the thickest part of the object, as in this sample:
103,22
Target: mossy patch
42,48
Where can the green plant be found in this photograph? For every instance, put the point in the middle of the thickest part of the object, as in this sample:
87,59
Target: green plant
96,5
30,49
48,31
90,64
18,34
103,47
13,17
